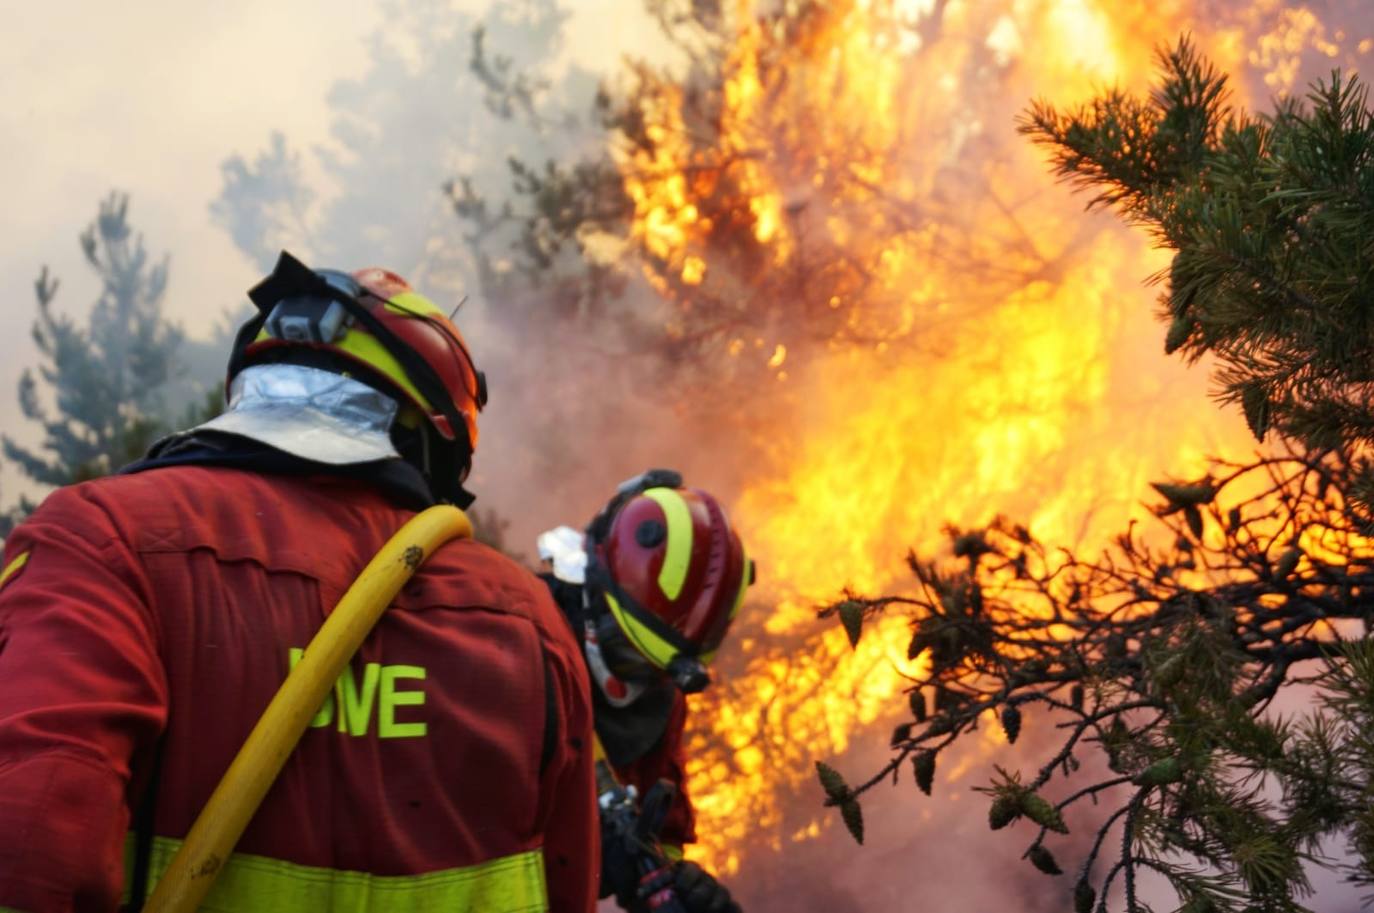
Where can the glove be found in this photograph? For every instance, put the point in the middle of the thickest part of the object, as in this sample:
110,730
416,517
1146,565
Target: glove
619,875
699,892
656,891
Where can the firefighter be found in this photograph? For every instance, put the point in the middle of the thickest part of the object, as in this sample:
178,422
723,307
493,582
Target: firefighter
650,589
146,619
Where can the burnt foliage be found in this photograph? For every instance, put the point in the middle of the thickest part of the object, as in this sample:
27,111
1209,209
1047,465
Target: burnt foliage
1153,671
733,209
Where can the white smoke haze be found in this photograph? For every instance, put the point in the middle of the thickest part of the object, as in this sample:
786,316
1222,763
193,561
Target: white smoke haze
331,129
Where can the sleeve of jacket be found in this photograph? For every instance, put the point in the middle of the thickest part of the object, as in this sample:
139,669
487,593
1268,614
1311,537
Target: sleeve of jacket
572,832
667,761
84,692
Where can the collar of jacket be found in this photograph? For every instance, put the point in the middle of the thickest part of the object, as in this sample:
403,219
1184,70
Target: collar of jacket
399,481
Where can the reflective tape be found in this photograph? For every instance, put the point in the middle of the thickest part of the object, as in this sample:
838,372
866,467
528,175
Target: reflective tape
258,884
412,303
365,347
658,650
678,557
744,575
13,568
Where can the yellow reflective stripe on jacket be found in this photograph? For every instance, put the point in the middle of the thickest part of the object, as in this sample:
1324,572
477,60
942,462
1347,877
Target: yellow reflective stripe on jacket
13,568
257,884
678,557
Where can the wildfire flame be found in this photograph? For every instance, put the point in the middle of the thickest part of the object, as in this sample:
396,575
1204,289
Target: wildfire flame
989,348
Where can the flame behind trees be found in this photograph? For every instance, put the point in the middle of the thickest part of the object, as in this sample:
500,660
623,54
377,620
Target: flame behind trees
1267,217
867,296
1168,660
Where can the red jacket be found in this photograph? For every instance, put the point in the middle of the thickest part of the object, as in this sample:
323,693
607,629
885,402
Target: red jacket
451,766
666,761
644,741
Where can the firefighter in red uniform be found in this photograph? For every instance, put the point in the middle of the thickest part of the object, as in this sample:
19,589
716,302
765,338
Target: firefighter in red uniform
650,589
146,620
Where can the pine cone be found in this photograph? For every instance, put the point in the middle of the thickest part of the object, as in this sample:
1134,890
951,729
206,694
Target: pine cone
853,817
923,765
1044,860
1181,496
1194,518
1083,897
852,617
1011,722
1039,810
917,699
1160,773
831,781
1003,812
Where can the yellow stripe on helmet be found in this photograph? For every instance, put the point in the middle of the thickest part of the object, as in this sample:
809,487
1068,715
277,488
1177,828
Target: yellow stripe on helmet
745,573
413,303
678,557
365,347
654,648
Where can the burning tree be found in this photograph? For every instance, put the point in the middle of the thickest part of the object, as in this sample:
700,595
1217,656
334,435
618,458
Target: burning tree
767,227
1166,663
822,227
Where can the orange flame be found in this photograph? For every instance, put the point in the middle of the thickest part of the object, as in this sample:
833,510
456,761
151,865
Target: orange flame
992,350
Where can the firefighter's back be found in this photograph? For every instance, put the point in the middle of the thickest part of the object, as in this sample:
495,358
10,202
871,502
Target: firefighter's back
430,778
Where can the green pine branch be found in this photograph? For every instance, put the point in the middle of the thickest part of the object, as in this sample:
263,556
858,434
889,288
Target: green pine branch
1270,218
1145,680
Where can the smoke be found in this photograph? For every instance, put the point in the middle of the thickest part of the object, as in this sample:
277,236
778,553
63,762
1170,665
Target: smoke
415,118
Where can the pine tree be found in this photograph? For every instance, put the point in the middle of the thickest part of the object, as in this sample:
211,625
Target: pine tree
100,393
1146,679
1269,217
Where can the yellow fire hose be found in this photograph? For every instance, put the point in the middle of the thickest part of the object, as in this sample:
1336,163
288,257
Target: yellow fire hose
206,848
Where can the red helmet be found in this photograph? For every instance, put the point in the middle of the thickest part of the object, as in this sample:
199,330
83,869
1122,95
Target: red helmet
672,569
374,320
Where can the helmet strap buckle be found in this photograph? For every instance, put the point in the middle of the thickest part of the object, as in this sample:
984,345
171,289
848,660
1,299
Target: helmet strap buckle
688,674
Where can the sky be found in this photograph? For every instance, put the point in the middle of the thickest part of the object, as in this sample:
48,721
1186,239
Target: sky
149,97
